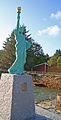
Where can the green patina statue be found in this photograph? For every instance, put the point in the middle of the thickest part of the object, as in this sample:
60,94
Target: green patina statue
21,46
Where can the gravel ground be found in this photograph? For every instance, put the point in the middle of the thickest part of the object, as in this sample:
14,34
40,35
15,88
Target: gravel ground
50,105
47,114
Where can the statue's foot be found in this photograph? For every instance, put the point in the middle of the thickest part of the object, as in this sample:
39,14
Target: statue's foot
16,72
23,73
11,71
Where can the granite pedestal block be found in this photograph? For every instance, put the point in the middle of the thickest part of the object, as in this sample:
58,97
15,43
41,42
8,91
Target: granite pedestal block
16,97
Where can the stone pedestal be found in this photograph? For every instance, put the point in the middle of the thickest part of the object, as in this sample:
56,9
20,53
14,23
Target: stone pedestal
16,97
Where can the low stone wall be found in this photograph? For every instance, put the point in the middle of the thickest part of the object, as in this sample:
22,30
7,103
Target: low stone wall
48,79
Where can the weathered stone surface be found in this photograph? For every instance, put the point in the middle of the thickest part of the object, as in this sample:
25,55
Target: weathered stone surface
16,104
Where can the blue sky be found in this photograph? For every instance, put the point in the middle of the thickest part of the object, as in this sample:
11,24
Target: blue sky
42,18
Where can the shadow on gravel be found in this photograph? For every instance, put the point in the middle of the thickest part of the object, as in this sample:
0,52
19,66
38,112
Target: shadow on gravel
39,117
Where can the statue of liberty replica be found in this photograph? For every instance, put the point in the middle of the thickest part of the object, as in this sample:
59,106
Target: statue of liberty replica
15,86
21,46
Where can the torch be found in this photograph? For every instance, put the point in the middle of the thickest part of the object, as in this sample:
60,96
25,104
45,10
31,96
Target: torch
18,17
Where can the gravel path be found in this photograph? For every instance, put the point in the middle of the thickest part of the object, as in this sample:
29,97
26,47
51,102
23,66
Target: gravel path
47,114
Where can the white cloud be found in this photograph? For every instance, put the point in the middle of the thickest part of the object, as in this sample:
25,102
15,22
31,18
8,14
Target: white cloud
56,16
52,31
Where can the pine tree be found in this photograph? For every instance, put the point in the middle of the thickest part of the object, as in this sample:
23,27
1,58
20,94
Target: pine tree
35,55
9,50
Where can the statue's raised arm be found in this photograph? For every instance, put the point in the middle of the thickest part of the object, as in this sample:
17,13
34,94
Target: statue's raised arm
21,46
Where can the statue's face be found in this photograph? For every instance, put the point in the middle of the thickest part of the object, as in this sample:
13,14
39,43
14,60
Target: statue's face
21,29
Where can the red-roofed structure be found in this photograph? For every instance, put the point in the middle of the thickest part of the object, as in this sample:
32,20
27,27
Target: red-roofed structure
41,67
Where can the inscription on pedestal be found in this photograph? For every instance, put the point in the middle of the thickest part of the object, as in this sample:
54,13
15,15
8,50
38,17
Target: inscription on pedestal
24,86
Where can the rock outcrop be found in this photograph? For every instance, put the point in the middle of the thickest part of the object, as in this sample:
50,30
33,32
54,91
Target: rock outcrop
48,79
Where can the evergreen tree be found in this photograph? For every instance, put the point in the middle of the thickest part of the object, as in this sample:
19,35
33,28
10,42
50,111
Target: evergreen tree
57,53
47,57
35,55
9,51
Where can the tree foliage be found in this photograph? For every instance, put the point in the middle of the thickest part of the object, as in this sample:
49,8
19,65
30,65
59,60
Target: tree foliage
35,56
47,57
55,59
9,52
59,62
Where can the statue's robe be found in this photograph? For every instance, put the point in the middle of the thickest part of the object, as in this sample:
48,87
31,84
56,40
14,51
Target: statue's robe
21,46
